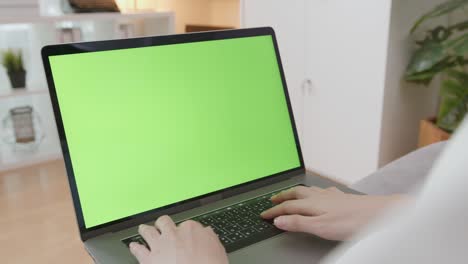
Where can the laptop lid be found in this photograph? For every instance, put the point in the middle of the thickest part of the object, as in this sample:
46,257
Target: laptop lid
150,126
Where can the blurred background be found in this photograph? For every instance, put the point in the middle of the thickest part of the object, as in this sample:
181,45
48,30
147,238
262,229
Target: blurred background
345,62
369,81
28,25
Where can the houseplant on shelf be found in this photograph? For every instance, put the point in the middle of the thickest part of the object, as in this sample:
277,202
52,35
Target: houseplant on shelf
443,51
13,63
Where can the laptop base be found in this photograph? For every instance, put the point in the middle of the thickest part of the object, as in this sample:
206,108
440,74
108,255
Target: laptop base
291,247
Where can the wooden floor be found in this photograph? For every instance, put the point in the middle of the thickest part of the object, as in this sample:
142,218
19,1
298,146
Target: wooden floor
37,221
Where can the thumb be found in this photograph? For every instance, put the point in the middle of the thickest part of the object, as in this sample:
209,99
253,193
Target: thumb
297,223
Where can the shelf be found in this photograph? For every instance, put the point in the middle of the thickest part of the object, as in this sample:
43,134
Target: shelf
22,92
83,16
43,32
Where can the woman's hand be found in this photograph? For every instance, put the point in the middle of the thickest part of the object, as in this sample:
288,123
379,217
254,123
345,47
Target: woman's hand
327,213
189,242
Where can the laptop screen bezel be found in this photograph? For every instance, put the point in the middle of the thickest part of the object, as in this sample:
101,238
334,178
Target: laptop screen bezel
75,48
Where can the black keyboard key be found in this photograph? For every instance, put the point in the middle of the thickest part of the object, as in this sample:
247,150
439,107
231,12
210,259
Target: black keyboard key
245,224
262,227
225,241
220,231
256,220
248,231
220,225
257,237
137,238
231,228
237,226
235,236
204,222
217,218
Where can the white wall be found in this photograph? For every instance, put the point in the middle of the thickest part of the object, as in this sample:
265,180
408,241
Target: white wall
405,104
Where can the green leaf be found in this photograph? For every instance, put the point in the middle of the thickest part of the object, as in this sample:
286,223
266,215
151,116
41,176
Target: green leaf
452,111
460,76
12,61
454,100
459,26
425,58
452,88
459,45
426,77
423,78
438,11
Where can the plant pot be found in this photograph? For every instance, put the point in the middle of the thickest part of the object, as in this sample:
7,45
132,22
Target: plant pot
430,133
17,79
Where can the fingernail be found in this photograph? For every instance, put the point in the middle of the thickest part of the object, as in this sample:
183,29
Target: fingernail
273,197
132,245
278,221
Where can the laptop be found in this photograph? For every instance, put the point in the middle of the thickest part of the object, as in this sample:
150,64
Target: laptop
196,126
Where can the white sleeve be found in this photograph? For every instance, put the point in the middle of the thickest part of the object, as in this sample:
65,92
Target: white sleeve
434,229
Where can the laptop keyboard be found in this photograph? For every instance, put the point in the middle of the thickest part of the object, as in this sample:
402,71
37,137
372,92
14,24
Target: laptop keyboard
237,226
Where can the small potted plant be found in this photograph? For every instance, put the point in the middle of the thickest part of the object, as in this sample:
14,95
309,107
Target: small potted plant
13,63
443,51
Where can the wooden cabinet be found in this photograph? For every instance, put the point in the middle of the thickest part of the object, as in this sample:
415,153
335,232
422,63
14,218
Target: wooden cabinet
345,61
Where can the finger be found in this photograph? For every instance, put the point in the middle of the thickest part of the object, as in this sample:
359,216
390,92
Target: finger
298,223
334,189
289,207
165,225
140,252
316,189
297,192
149,233
190,224
210,230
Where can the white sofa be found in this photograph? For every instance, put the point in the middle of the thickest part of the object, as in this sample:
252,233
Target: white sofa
404,175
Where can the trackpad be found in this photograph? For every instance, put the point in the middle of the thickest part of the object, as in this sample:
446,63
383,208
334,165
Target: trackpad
285,248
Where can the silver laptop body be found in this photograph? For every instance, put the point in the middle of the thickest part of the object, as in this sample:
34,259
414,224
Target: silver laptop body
103,241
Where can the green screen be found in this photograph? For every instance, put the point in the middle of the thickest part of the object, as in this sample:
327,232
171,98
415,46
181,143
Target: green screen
148,127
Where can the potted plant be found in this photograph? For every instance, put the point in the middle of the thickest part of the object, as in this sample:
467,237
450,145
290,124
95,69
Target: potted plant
443,51
13,63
